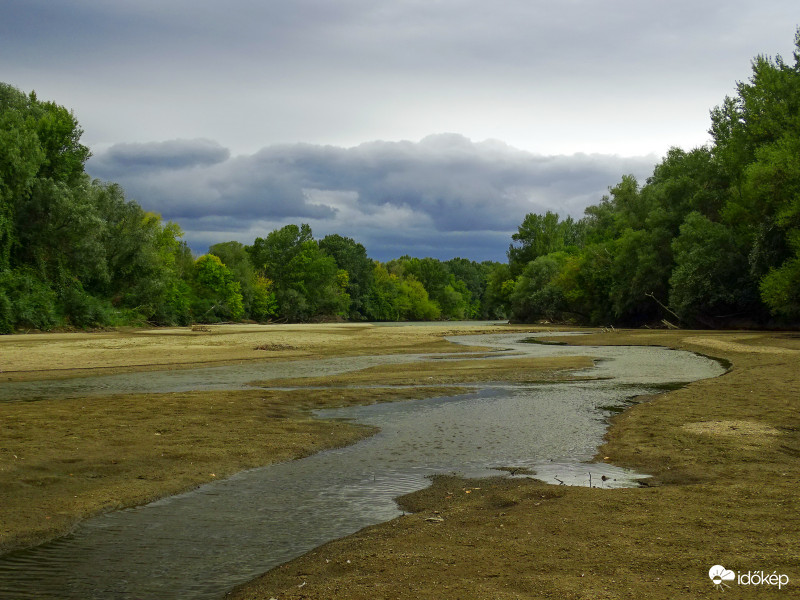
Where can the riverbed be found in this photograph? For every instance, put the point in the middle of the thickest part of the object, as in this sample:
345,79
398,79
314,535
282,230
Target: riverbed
200,544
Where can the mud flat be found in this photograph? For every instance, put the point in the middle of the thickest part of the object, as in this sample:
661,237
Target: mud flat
724,454
80,449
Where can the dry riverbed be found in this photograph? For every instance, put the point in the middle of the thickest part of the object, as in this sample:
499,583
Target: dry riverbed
724,453
725,459
63,460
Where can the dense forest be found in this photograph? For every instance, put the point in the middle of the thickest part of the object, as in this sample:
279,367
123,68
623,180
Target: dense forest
712,238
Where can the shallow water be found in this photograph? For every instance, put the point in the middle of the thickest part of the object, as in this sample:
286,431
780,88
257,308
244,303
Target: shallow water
228,377
202,543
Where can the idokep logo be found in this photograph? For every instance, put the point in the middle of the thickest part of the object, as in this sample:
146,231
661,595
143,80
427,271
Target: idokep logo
720,575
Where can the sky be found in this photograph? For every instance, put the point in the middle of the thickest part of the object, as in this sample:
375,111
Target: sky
428,128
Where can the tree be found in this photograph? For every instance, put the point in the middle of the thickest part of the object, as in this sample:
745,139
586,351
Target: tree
255,290
217,294
451,296
351,257
383,301
709,282
474,277
413,302
72,251
640,268
307,282
539,235
536,294
585,280
780,288
499,288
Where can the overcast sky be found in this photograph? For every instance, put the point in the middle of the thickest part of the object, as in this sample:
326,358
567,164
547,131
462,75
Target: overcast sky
425,127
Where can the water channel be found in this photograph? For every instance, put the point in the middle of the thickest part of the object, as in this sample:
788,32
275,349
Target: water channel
204,542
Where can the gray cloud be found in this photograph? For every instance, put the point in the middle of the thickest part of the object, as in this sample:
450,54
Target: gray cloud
621,76
445,195
570,86
155,156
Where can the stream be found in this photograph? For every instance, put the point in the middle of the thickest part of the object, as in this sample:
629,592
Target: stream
202,543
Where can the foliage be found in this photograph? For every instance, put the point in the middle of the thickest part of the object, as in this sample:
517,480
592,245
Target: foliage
709,279
306,280
539,235
74,252
536,294
351,257
217,295
713,236
258,297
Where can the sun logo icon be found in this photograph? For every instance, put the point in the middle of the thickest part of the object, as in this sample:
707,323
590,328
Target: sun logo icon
719,575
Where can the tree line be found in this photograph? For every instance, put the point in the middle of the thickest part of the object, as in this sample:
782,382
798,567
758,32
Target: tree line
711,239
74,252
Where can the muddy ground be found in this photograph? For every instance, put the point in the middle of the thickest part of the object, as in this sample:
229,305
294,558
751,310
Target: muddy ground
725,460
62,355
724,455
63,460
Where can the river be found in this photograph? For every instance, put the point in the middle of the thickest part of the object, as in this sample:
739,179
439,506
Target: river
202,543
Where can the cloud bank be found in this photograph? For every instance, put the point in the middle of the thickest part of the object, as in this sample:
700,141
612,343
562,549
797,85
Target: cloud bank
619,77
443,196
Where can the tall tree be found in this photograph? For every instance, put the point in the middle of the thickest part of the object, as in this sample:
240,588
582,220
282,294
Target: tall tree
351,257
539,235
307,282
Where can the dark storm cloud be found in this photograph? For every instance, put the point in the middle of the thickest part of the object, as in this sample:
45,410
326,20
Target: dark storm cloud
442,194
173,154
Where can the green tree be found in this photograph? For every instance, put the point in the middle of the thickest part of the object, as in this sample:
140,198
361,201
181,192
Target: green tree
640,267
307,282
413,302
217,294
383,301
351,257
709,281
542,234
585,281
499,289
257,296
474,277
536,294
451,296
780,288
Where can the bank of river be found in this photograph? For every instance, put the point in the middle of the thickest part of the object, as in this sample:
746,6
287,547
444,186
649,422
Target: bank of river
199,544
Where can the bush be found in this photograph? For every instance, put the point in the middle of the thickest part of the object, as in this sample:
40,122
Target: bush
83,310
32,302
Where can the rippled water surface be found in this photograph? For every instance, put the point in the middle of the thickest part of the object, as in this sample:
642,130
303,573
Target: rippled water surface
202,543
